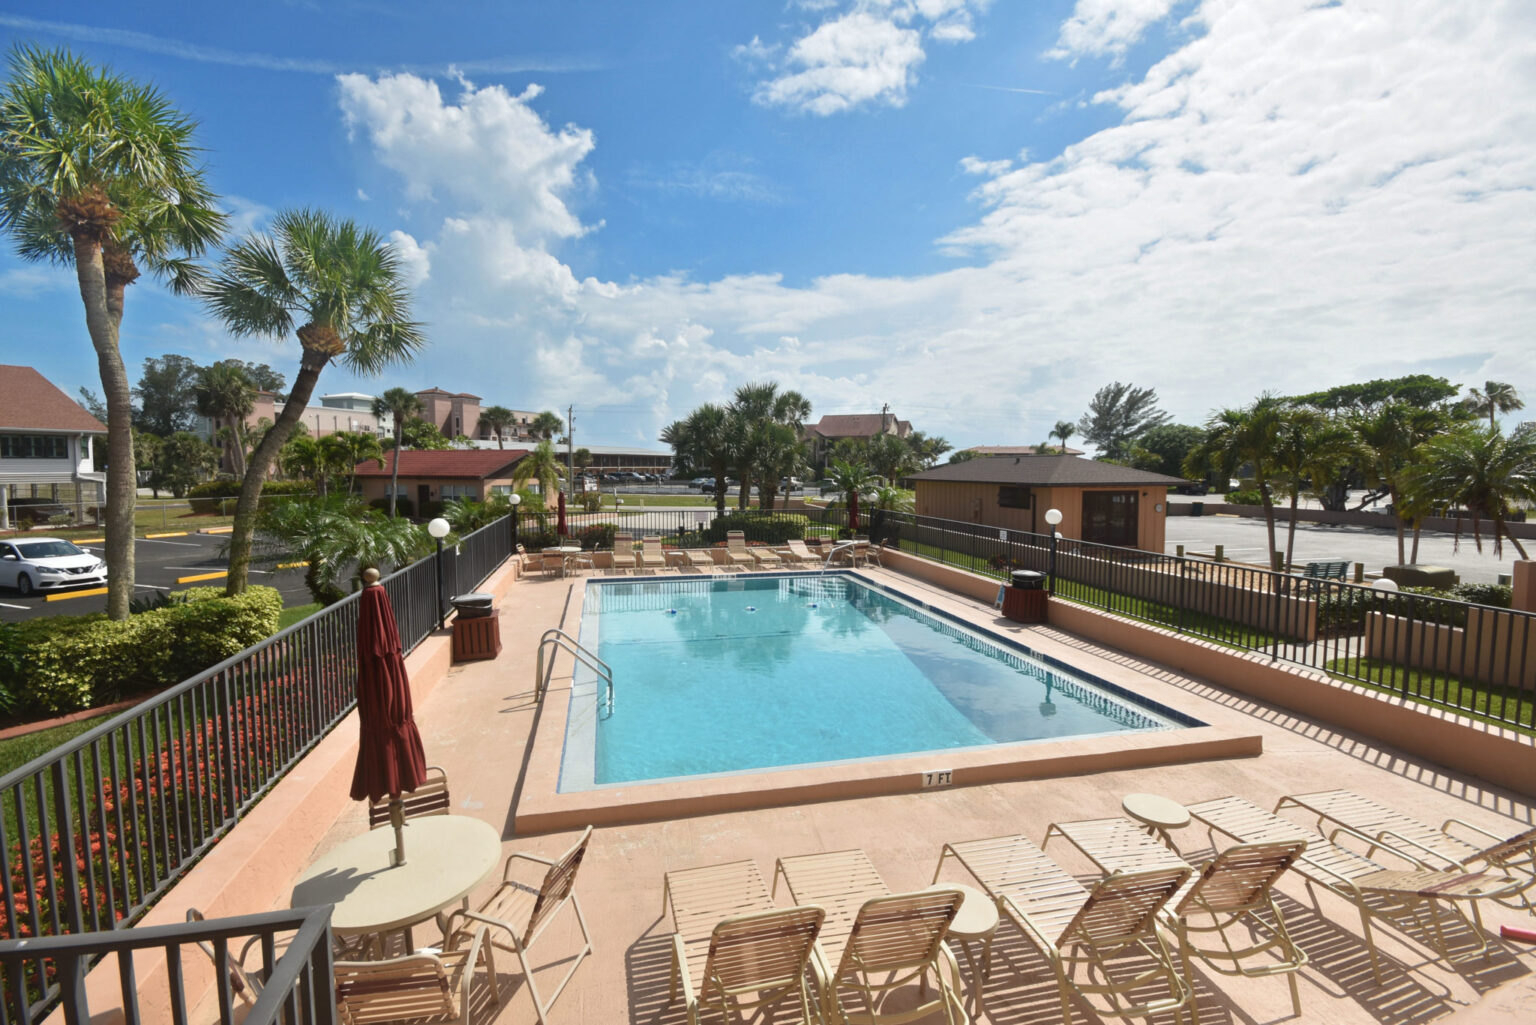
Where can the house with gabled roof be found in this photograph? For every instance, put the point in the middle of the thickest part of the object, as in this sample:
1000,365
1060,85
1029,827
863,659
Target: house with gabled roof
46,440
435,475
834,427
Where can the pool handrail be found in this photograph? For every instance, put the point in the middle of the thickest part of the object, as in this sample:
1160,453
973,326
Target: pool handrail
560,639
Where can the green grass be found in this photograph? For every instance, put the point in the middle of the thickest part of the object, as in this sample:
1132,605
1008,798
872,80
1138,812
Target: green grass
18,751
688,501
295,613
149,517
1471,698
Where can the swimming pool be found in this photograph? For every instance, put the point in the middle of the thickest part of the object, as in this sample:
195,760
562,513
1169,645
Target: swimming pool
734,675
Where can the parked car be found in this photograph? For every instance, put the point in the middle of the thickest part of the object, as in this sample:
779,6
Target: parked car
790,484
47,564
1193,487
698,482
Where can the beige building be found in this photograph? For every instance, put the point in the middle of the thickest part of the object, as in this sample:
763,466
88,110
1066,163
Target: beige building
829,430
453,413
1099,502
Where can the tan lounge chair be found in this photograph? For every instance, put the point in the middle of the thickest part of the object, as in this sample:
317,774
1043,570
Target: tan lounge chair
766,557
870,932
736,553
1082,932
418,987
517,914
795,551
694,558
651,556
624,553
732,950
1422,843
1374,889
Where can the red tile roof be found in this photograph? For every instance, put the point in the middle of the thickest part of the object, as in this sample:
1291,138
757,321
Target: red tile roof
30,402
858,425
466,464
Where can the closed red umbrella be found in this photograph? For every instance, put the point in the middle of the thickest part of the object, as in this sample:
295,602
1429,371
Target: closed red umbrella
389,756
560,515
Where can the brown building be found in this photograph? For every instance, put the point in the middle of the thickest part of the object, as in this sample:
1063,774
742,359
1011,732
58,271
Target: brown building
831,429
1099,502
453,413
433,476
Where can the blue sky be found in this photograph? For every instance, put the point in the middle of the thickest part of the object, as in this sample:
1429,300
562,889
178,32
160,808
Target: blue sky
977,212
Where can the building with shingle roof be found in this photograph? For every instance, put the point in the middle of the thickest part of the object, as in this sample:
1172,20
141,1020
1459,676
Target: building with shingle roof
46,440
428,477
1100,502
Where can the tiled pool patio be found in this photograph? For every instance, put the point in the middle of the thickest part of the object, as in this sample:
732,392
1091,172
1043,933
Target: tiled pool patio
477,724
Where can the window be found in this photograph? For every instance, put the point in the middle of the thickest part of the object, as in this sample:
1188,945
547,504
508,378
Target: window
34,446
457,491
501,489
1013,496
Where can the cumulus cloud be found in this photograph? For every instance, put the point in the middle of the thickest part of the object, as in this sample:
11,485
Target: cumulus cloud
1108,27
414,258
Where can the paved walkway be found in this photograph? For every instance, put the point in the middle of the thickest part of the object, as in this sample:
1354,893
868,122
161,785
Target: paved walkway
477,724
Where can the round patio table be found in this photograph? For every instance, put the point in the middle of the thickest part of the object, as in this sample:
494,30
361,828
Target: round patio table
446,856
1157,815
976,921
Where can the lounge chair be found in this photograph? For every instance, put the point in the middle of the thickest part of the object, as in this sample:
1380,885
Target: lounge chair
419,987
624,552
1424,844
732,950
870,932
1371,887
766,557
795,551
651,555
1077,928
736,553
517,914
696,558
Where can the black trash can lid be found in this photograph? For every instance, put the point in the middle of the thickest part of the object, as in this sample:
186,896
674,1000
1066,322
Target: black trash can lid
1021,576
471,601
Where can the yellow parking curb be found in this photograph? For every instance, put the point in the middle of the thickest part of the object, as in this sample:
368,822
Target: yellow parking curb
216,530
293,565
174,533
75,594
202,576
92,541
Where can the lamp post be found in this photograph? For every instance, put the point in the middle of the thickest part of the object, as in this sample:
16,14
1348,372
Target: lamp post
516,501
1052,517
438,528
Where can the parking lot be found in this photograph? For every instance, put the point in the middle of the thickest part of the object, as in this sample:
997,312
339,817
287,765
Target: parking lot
160,563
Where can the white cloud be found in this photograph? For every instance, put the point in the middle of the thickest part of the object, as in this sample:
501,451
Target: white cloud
363,196
414,258
1100,27
25,282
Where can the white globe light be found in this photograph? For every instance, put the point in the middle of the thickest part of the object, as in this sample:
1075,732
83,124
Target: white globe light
516,499
1053,516
1385,584
438,528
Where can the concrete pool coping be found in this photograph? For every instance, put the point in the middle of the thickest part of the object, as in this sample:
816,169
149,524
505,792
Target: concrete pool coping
542,808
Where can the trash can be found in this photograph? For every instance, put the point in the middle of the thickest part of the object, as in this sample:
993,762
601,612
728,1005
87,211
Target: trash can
473,606
1028,579
1197,508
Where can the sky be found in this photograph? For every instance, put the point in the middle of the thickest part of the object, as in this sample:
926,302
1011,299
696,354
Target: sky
975,211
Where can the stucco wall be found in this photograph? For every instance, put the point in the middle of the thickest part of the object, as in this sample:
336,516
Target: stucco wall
1503,649
977,503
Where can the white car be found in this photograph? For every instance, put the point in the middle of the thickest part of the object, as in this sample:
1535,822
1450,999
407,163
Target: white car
47,564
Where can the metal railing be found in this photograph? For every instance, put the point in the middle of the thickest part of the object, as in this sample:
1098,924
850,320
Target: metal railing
96,830
295,986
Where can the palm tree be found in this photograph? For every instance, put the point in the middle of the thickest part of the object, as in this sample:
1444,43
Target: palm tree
1496,397
755,411
1481,471
1310,450
542,465
888,499
99,172
399,405
330,534
303,458
497,420
1064,429
346,449
546,426
224,393
1389,435
339,288
853,480
1243,437
705,440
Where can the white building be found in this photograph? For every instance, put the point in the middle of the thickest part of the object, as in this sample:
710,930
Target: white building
46,440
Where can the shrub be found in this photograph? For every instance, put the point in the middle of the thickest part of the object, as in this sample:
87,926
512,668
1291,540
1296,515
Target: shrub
403,506
769,528
206,498
1245,498
67,663
1497,595
597,535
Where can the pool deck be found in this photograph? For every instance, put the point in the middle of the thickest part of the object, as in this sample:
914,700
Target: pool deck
477,724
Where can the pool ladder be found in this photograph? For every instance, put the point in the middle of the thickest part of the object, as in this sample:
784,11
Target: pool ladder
557,638
840,546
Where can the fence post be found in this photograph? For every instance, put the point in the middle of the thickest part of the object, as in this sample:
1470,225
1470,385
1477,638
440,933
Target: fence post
1183,587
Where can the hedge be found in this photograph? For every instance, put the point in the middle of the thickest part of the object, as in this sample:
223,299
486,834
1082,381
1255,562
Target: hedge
64,664
205,497
769,528
403,506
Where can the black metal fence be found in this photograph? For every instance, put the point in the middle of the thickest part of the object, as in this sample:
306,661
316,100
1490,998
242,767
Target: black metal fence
96,830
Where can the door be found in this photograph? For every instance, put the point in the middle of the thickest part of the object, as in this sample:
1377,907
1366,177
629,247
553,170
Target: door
9,561
423,496
1109,518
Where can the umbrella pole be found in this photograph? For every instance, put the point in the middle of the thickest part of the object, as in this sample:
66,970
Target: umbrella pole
397,820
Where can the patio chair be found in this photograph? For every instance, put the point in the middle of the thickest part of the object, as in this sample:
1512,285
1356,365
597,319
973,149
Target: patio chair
522,913
578,561
651,555
794,551
736,553
732,950
696,558
1422,843
1374,889
431,798
624,552
766,557
420,987
1077,928
243,983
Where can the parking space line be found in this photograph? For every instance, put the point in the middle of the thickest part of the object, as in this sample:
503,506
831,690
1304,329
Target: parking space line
8,605
75,594
183,544
152,587
203,576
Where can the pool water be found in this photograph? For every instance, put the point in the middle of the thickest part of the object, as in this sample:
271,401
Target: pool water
757,672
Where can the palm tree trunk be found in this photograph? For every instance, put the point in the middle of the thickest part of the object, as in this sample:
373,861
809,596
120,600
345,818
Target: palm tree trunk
1269,521
1500,527
394,468
1290,532
261,461
1417,527
122,473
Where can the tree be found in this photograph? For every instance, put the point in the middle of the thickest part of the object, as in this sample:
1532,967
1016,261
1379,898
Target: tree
853,481
146,453
181,461
261,376
1310,449
1168,444
1496,397
765,425
223,393
1118,415
331,534
583,458
345,449
99,172
423,435
546,426
704,441
1243,437
497,420
1063,430
93,404
340,289
927,449
1483,473
302,458
1389,434
1412,390
965,455
399,405
167,394
542,465
890,457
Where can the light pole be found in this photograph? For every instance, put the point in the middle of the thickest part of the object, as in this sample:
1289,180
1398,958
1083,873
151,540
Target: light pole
438,528
516,501
1052,517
